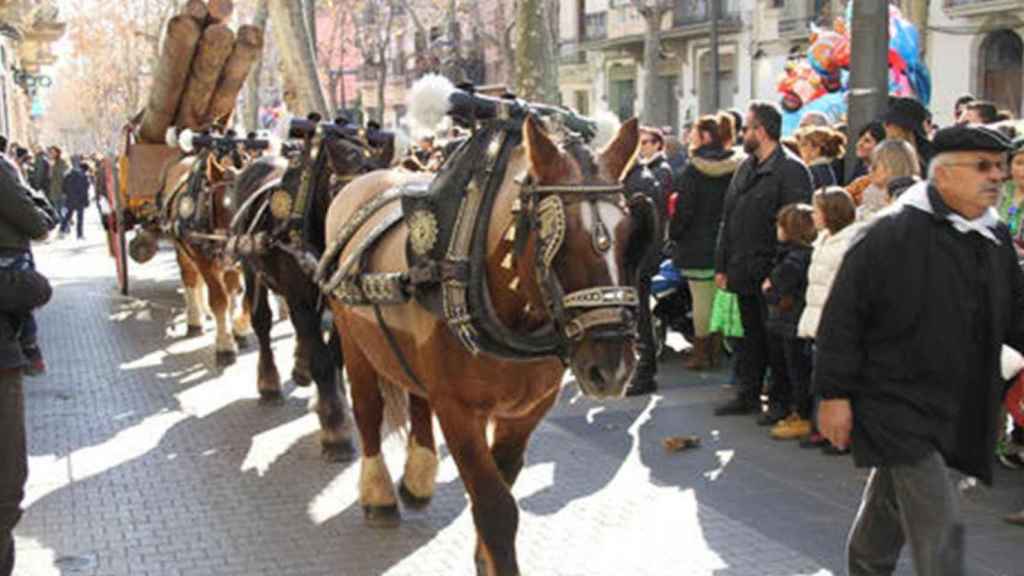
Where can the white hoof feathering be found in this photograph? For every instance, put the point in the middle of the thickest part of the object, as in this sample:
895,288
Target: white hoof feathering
420,471
226,343
193,306
242,325
375,487
428,101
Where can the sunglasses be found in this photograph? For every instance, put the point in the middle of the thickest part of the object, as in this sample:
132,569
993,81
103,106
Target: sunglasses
983,165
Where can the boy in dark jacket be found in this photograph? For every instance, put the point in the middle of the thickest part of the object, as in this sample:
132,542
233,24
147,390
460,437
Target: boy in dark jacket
784,291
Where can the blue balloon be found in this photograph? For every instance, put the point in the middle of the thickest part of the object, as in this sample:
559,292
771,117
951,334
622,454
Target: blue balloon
833,105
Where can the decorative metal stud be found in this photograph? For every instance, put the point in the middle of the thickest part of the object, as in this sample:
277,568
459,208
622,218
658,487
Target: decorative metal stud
510,235
506,263
514,284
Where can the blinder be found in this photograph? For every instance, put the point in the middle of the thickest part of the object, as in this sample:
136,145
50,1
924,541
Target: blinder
602,312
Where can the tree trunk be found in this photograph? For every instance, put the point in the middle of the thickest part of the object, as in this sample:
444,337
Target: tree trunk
214,49
650,70
535,71
310,8
221,10
246,52
252,100
298,56
172,73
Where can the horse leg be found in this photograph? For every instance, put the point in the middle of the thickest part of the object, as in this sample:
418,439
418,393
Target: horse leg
511,436
335,428
495,514
419,480
193,294
240,315
217,296
376,491
268,380
308,332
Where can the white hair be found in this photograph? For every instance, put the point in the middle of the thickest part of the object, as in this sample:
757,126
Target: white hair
937,161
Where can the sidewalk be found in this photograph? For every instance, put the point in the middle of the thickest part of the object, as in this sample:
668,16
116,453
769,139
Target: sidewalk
147,459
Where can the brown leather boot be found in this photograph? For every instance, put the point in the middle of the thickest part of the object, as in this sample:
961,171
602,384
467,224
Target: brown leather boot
714,350
699,357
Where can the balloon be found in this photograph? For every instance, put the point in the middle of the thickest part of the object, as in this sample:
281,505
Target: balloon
823,52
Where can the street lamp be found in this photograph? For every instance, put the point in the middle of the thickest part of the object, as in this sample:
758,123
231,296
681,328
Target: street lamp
30,83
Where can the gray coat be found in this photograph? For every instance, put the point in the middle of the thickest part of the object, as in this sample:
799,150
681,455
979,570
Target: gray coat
21,220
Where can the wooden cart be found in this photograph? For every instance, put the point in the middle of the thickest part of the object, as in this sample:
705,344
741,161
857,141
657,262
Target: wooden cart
133,183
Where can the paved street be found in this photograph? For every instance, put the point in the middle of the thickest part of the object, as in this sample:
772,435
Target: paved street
145,459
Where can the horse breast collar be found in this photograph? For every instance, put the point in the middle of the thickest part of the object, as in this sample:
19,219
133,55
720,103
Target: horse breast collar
448,224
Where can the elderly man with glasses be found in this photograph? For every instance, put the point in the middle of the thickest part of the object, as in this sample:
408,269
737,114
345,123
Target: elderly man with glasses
908,353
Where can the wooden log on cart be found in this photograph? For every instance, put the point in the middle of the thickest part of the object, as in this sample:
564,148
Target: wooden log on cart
172,71
220,11
214,48
244,56
196,9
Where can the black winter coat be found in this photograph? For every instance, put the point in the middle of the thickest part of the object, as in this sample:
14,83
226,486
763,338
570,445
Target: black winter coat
823,174
912,332
698,216
747,242
786,297
76,189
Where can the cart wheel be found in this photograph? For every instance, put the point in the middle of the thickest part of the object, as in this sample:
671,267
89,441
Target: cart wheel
116,235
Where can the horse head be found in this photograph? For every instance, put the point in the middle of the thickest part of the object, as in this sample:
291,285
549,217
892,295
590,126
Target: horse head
585,233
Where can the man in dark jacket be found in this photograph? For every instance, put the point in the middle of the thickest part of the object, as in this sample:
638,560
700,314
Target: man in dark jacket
76,198
651,161
39,178
770,178
908,353
21,220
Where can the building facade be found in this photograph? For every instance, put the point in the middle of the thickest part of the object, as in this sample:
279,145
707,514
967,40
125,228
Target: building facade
28,29
975,46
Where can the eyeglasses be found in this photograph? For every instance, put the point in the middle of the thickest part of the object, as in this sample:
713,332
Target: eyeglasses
982,165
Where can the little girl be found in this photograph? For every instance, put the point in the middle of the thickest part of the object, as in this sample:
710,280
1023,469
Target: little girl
784,291
834,212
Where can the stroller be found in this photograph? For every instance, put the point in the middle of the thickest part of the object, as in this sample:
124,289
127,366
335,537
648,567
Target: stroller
672,306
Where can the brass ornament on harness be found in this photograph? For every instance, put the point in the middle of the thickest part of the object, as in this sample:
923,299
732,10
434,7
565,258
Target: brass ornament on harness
281,204
186,207
423,232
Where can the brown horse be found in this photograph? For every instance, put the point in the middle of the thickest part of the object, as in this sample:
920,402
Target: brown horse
418,352
196,217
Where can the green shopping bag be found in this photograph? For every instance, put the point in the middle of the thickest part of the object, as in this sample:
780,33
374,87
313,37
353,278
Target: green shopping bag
725,315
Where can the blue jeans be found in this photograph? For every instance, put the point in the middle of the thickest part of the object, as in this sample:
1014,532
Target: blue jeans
65,225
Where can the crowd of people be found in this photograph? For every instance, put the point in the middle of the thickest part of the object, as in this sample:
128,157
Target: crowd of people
871,304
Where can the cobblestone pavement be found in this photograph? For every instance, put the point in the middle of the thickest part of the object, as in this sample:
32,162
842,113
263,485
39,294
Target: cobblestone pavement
146,459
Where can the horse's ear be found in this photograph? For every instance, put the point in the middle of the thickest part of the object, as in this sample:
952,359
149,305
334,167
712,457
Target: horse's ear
620,154
544,156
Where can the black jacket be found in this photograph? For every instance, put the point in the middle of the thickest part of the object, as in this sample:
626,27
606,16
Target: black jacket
911,334
786,297
76,189
40,176
22,218
698,216
823,174
746,241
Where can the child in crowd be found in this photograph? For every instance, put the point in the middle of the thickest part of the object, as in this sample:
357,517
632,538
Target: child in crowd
784,291
833,214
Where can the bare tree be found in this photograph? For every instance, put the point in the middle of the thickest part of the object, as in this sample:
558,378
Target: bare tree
374,43
499,32
653,12
536,77
298,55
252,94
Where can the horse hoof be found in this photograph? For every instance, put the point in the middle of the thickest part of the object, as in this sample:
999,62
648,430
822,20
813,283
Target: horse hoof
193,331
409,499
382,516
242,341
302,378
271,398
226,358
338,452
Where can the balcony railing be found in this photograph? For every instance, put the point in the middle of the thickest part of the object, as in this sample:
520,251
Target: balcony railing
691,12
978,6
570,53
595,26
